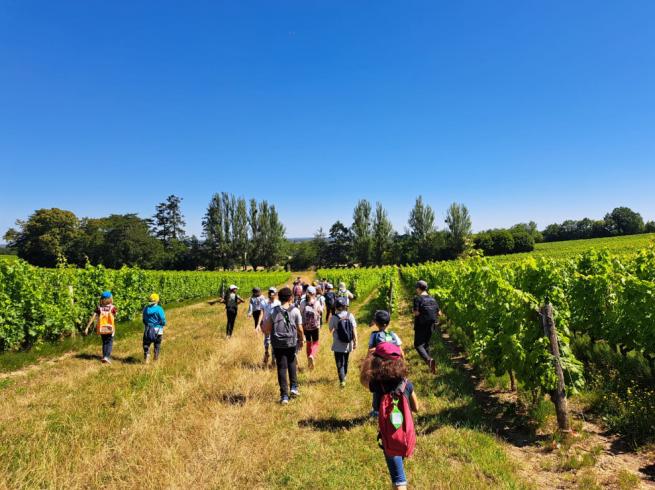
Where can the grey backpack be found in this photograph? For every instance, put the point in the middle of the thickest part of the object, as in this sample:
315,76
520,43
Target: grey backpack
284,333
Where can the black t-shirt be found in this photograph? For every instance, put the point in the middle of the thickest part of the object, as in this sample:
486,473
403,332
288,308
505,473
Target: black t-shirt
389,386
423,318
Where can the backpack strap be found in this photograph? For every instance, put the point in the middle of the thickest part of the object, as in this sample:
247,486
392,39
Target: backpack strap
400,389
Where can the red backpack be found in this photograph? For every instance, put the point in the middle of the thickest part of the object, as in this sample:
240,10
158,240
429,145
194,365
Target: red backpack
395,423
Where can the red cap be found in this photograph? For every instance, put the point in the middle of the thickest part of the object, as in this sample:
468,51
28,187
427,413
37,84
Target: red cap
387,350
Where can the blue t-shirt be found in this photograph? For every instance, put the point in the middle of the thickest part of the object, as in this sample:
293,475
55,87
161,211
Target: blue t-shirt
154,316
379,336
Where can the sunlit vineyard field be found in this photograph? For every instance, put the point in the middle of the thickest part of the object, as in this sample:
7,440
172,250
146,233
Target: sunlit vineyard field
571,248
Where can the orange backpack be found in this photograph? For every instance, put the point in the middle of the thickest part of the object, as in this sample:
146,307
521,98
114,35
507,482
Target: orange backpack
106,322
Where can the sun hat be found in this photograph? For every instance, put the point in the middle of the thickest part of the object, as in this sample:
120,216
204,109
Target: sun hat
106,295
272,290
387,350
342,285
382,317
311,290
422,285
232,286
154,298
329,286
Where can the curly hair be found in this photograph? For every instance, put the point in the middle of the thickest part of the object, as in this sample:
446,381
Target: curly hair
375,368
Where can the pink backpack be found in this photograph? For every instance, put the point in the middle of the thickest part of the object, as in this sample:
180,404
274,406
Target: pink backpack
395,423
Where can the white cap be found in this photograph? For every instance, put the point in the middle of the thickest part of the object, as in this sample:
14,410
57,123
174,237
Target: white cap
329,286
272,290
342,285
232,286
311,290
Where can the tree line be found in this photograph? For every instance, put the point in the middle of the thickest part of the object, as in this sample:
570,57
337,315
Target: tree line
620,221
240,233
371,240
235,234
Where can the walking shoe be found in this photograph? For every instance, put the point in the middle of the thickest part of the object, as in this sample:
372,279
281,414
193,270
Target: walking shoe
295,392
146,358
433,366
266,357
284,400
104,360
310,362
343,384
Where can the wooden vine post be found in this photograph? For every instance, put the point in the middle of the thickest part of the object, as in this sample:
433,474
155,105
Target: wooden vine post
558,395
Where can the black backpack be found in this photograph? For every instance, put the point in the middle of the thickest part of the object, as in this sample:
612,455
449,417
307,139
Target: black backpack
345,329
330,299
284,333
428,309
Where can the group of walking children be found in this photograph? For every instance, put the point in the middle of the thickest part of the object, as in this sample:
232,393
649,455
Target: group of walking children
104,318
293,317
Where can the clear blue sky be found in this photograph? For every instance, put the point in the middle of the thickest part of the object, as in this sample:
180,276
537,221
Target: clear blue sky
522,109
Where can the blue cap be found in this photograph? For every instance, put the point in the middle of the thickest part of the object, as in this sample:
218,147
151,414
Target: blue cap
342,302
106,295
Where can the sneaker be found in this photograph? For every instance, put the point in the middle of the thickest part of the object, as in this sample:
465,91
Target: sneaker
433,366
266,357
104,360
284,400
310,362
146,359
343,384
374,414
295,392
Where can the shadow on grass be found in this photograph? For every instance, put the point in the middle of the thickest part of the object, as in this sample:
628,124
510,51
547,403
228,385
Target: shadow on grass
319,381
332,424
85,356
130,360
649,471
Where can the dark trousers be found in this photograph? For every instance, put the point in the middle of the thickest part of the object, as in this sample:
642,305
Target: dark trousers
157,342
341,359
285,359
255,316
107,344
422,335
231,317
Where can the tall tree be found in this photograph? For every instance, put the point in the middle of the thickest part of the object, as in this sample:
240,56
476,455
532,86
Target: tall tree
47,236
624,221
340,244
320,243
216,243
273,239
254,252
362,232
458,235
168,222
421,225
382,235
240,232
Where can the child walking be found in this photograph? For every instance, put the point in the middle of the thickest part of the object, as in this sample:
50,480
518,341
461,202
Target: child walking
343,328
381,320
154,321
232,301
385,372
105,318
284,325
311,310
256,307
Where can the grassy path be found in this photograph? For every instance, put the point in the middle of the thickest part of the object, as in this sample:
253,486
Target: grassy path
206,416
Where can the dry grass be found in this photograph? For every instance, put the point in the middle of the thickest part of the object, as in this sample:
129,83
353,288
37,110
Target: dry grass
206,416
